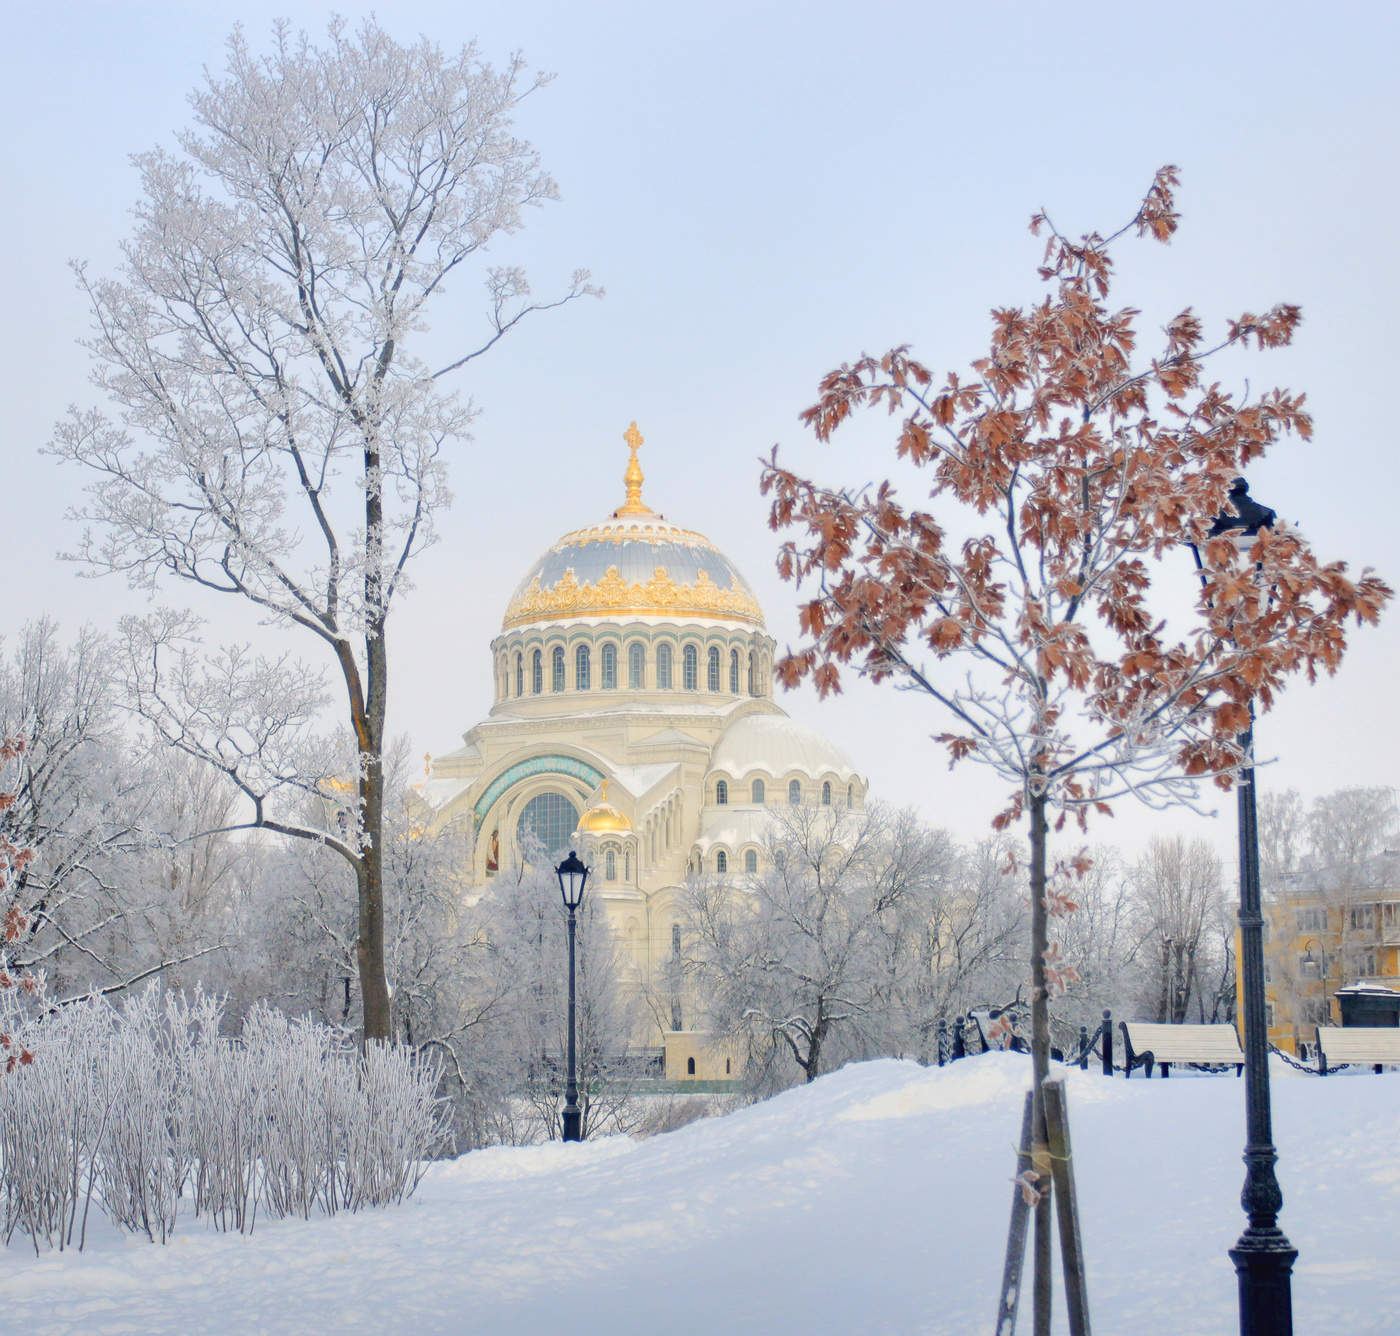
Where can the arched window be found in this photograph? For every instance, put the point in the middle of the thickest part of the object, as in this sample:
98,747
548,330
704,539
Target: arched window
850,795
536,672
795,791
583,669
733,672
609,682
826,794
721,861
663,667
757,791
610,865
690,1066
721,793
519,674
545,825
676,940
690,668
627,865
557,668
636,666
712,674
750,860
753,672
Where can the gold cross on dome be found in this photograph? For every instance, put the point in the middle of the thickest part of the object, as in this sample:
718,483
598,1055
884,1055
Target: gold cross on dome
633,477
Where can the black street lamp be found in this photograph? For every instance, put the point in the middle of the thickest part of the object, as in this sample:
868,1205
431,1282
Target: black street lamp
572,874
1263,1257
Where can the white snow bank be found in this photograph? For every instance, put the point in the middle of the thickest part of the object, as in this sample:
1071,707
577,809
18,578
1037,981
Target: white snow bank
874,1201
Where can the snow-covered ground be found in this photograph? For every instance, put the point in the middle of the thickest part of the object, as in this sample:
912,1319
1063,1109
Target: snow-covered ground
875,1200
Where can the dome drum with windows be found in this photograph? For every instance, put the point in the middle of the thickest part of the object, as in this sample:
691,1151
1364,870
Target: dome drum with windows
603,609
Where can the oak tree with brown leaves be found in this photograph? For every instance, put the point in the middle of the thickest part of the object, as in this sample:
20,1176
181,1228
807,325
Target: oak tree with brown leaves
1075,462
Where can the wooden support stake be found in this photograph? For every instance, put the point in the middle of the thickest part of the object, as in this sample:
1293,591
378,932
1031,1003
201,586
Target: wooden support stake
1015,1237
1067,1206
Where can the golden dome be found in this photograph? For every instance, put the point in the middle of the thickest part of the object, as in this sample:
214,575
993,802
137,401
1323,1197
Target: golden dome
603,819
635,563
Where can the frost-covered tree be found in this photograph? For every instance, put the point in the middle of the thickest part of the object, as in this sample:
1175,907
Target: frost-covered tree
1104,939
511,1062
1179,903
77,803
103,895
274,429
1331,857
847,943
970,931
1019,602
293,920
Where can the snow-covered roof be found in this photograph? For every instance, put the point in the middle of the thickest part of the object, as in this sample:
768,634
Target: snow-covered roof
734,828
438,793
778,745
639,780
1363,988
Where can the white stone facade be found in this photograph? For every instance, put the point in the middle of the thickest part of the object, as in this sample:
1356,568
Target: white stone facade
634,656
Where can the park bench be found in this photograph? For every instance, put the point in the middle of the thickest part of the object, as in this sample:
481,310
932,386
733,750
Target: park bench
1146,1044
1339,1045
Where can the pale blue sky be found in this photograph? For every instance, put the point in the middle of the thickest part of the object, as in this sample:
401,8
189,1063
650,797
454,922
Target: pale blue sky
766,190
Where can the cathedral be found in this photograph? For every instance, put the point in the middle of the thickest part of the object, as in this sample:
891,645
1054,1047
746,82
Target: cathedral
634,721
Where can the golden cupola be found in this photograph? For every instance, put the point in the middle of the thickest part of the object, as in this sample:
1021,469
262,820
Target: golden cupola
603,818
635,563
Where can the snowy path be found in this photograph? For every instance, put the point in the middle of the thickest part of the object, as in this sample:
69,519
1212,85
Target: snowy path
872,1202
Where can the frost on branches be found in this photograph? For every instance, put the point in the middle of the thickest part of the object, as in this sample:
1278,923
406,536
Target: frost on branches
1075,462
18,986
277,427
147,1111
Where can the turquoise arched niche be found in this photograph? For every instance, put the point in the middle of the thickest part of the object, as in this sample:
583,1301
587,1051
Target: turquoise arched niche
528,769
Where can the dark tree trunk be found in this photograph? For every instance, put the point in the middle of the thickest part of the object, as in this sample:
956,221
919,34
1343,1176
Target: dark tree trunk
369,873
1040,1067
1164,984
369,729
814,1048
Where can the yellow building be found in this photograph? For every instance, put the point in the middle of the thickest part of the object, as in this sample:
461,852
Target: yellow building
634,720
1318,942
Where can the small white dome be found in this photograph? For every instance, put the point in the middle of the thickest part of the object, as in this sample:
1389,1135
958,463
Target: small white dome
778,746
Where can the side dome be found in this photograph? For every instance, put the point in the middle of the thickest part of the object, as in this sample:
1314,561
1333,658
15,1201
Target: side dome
778,745
603,818
636,563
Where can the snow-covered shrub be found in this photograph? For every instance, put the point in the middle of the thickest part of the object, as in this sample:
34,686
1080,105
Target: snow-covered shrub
54,1111
146,1107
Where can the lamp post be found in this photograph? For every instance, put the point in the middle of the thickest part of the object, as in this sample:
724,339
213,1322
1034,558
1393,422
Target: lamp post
1315,963
1263,1256
572,874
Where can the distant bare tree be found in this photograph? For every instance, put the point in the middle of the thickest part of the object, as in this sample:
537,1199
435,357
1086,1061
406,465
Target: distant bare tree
1178,892
516,1058
1283,839
826,950
1349,832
